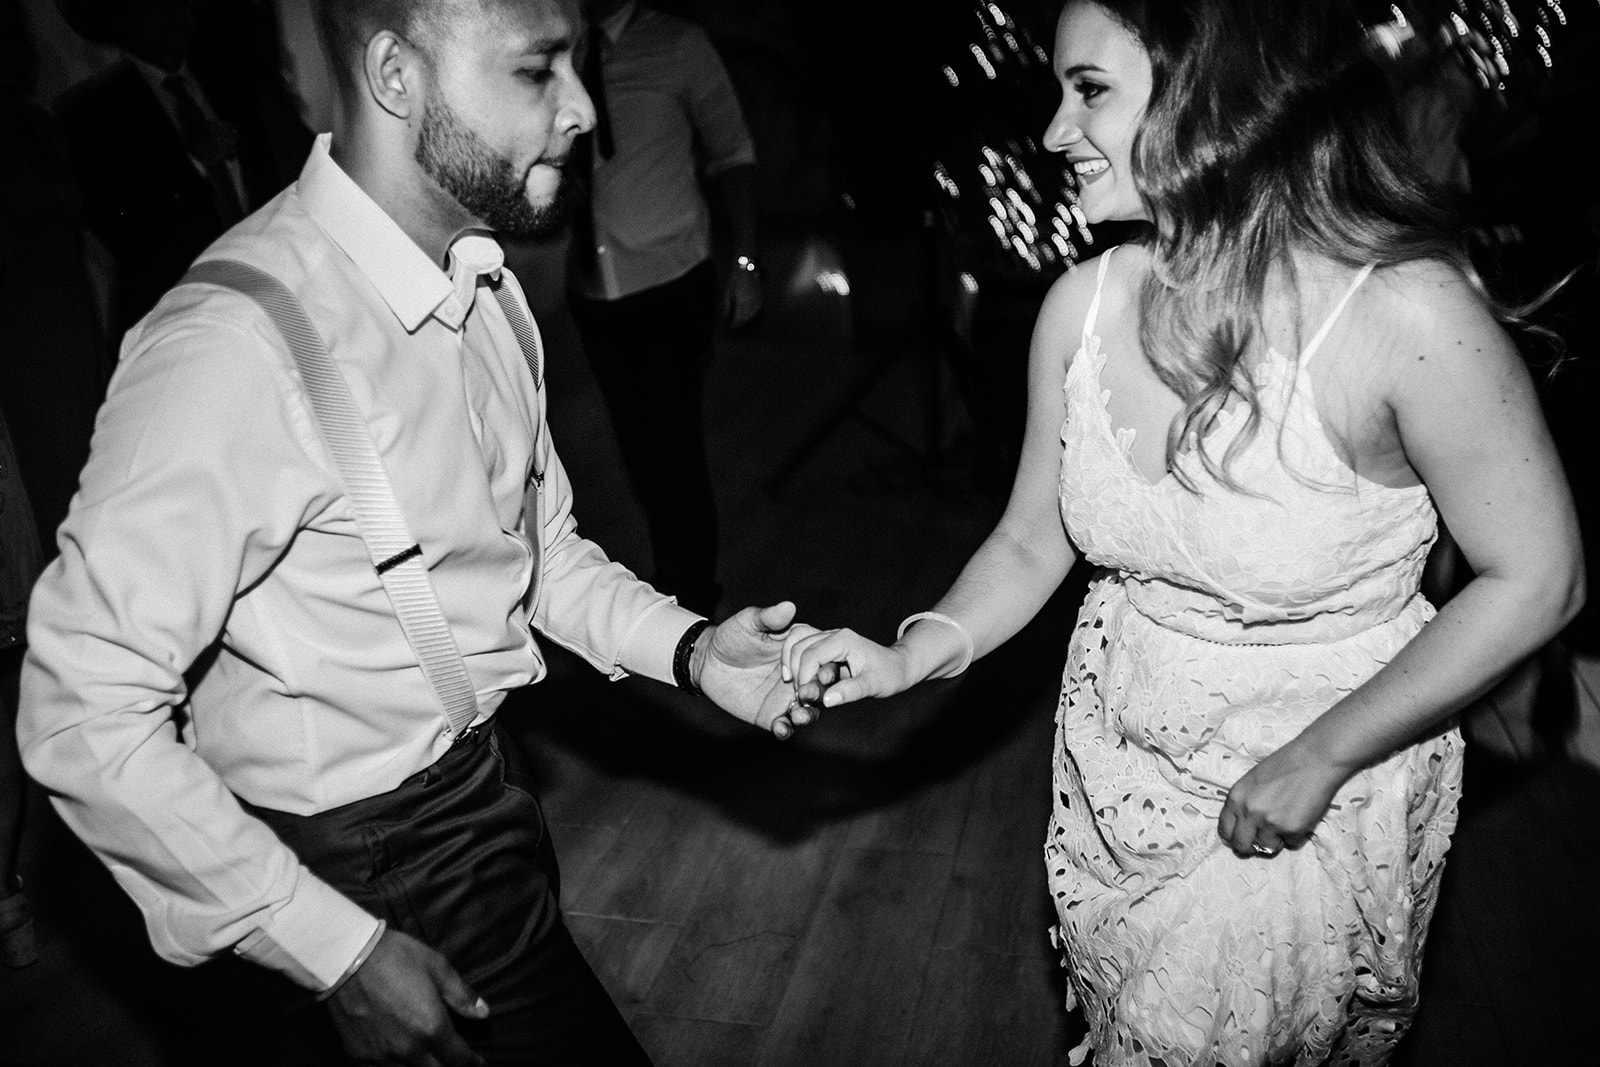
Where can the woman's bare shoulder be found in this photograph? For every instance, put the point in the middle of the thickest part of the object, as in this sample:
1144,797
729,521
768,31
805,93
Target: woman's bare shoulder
1422,311
1126,269
1066,306
1423,301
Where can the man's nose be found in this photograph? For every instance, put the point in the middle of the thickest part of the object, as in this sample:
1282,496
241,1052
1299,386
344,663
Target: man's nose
577,108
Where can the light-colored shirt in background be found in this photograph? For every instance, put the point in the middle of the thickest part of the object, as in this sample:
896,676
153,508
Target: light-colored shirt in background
674,118
210,507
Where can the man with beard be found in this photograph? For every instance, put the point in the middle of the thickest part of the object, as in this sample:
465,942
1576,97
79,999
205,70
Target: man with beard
218,695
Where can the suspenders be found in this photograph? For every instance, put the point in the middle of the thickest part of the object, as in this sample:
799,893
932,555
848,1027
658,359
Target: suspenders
395,554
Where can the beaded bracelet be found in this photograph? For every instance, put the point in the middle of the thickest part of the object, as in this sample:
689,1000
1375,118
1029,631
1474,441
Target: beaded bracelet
934,616
684,653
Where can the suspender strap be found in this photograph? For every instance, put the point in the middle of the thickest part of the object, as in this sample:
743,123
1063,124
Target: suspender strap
395,555
527,340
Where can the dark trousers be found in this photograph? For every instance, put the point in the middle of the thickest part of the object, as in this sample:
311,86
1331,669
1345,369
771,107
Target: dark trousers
649,351
457,857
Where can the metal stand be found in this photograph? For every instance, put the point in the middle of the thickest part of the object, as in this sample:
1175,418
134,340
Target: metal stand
931,338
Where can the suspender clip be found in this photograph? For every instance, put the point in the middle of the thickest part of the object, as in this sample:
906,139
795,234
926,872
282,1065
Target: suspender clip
398,558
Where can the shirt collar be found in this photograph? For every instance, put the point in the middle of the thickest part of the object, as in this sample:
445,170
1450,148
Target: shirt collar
617,21
472,256
410,283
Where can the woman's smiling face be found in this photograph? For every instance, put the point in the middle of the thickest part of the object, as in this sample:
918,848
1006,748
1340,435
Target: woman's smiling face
1105,86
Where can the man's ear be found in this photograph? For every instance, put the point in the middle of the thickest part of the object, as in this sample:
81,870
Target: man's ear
394,74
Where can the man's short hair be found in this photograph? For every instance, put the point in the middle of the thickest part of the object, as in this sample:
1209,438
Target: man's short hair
347,25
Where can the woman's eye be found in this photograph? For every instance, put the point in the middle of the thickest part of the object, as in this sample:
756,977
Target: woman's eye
1089,90
537,75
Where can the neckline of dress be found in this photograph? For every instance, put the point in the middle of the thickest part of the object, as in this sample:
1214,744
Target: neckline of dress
1113,434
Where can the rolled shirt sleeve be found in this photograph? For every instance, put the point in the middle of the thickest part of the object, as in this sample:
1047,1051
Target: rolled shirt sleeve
714,108
197,483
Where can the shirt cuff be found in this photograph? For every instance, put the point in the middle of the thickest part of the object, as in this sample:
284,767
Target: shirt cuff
743,158
648,647
355,964
314,938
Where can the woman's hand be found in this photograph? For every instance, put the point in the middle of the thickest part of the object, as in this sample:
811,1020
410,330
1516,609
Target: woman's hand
834,667
1279,802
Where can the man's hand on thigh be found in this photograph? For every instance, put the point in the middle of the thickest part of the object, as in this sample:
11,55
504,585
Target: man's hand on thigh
396,1008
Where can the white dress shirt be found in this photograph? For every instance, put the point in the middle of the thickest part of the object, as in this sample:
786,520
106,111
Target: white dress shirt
210,519
674,117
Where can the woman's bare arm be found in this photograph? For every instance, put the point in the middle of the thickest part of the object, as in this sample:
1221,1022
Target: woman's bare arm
1016,568
1471,427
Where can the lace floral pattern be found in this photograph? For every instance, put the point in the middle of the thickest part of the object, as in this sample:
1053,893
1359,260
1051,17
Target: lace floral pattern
1220,624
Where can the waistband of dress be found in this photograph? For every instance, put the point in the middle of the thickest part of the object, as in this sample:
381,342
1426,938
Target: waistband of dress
1202,617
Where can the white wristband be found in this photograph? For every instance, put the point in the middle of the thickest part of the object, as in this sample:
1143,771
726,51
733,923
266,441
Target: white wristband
934,616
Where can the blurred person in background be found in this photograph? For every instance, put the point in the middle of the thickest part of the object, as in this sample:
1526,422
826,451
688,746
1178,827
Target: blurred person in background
52,377
642,280
192,129
20,562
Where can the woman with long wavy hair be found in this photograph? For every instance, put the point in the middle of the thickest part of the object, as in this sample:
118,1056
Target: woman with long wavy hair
1250,421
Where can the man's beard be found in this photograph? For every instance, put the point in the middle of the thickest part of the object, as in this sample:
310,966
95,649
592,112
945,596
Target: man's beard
484,183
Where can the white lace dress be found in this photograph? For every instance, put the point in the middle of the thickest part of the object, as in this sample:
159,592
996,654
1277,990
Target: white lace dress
1219,625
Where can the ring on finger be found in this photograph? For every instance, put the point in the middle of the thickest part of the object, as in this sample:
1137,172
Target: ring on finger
1263,850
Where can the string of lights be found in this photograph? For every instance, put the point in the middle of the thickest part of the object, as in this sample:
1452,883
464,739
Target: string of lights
1000,184
1506,45
1508,36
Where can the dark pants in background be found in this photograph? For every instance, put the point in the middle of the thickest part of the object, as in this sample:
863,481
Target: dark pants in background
649,351
457,857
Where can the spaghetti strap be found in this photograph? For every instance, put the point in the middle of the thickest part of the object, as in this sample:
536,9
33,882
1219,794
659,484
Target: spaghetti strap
1094,305
1327,325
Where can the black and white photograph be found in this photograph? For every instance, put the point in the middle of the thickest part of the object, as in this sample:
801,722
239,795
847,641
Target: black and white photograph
799,533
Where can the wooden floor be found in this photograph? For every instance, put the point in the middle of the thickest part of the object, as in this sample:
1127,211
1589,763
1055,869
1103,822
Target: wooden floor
872,892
